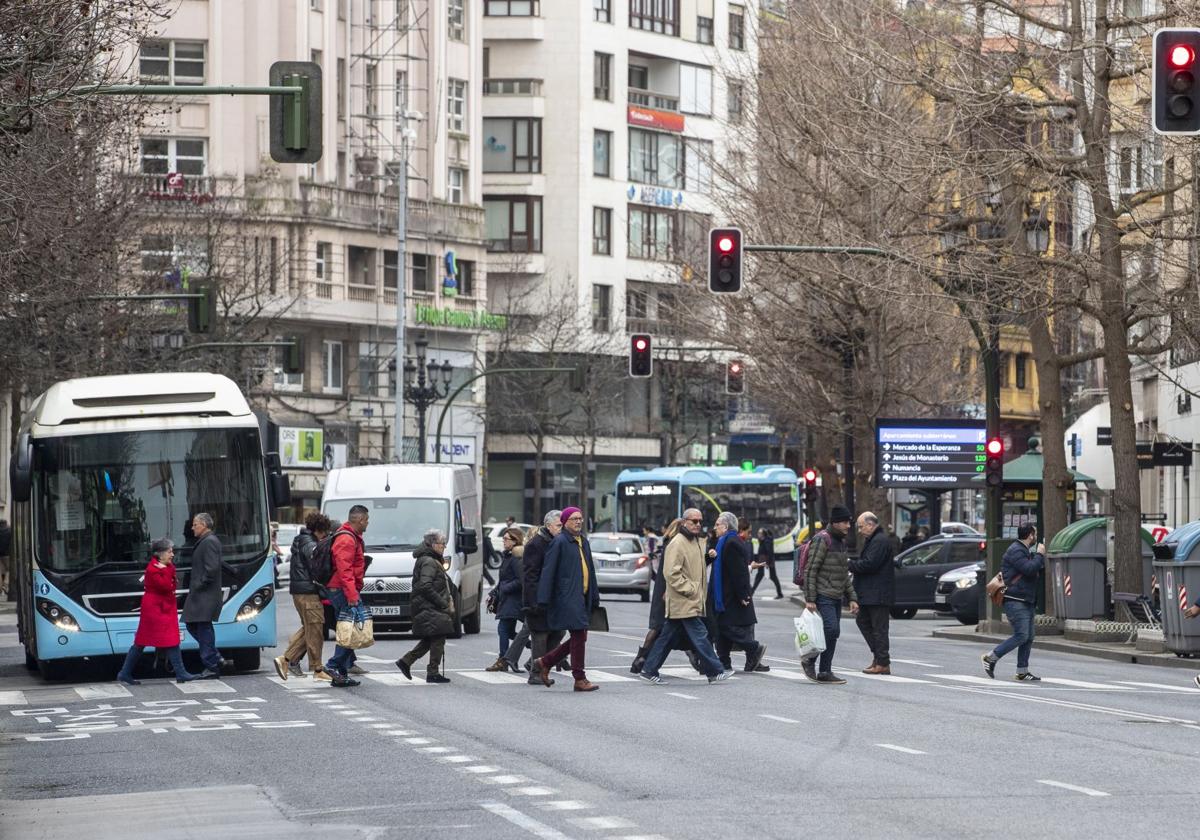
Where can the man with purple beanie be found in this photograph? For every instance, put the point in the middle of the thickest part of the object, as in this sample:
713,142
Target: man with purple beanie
567,593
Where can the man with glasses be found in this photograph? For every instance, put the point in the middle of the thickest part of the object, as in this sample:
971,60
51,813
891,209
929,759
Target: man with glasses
567,592
684,570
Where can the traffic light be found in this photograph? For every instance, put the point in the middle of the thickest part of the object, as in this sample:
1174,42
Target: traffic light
202,311
993,469
725,260
1175,97
293,355
641,363
735,377
810,487
295,121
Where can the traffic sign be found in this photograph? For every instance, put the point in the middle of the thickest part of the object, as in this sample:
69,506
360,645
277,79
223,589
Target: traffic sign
923,453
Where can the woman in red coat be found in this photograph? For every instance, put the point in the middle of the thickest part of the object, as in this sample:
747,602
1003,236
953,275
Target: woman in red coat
158,622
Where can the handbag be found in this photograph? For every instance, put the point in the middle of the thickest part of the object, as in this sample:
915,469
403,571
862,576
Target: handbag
353,634
996,587
598,620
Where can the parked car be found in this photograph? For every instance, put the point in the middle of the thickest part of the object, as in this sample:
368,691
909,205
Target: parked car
493,532
960,591
959,528
283,563
919,568
622,564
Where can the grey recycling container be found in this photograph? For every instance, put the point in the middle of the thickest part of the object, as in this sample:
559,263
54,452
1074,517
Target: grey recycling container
1077,564
1179,580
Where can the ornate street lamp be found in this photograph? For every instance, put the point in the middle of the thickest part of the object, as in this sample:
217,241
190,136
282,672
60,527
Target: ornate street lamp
422,387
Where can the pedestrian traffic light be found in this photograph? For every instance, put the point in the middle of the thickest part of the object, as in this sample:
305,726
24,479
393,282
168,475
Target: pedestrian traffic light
725,260
810,487
202,310
1175,96
293,355
295,119
994,465
735,377
641,362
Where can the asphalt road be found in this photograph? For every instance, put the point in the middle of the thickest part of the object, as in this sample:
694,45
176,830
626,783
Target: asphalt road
937,750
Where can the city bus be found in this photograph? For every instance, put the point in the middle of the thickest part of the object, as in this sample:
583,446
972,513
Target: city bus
768,496
104,466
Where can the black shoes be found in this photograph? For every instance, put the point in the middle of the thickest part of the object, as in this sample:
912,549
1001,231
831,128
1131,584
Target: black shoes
989,665
437,678
638,661
1025,676
759,655
344,682
210,674
830,679
809,666
404,669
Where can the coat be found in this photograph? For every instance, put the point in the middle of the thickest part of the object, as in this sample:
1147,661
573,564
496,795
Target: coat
348,563
301,582
508,585
684,572
561,589
531,575
735,585
874,571
158,619
204,598
432,604
1021,569
828,569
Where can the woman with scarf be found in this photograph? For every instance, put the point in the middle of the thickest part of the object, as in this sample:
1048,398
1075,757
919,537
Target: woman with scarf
731,597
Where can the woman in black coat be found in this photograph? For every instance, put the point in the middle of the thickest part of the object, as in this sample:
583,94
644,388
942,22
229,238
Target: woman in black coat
735,617
507,595
432,607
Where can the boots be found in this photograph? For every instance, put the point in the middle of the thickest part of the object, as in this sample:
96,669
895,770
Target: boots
584,685
639,661
501,664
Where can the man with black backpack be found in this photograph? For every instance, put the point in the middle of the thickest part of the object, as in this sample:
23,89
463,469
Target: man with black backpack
310,571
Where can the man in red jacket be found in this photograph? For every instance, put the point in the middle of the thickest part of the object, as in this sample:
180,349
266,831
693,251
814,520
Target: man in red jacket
345,584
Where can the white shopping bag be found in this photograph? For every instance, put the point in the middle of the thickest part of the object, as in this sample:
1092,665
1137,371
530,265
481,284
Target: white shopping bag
810,634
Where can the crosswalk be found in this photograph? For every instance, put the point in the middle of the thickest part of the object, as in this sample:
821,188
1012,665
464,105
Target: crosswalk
93,692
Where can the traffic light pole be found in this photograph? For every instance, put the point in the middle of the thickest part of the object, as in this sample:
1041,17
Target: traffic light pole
994,499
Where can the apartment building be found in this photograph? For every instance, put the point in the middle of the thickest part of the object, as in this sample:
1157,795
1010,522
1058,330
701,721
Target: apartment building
602,123
401,81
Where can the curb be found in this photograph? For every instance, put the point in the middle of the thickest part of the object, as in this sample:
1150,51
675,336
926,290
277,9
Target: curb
1136,657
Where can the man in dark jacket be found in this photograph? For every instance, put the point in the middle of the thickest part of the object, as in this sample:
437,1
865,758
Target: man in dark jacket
534,630
306,596
766,562
1021,571
826,583
875,583
203,604
567,593
732,596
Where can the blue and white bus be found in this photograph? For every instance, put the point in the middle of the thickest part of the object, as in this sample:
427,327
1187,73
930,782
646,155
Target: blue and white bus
768,496
102,467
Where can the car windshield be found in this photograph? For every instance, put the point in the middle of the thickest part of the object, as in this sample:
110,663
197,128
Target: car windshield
395,524
105,498
608,545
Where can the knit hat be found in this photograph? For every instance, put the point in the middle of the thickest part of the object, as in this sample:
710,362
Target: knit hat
839,514
567,513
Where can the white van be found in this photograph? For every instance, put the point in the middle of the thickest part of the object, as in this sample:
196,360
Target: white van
405,501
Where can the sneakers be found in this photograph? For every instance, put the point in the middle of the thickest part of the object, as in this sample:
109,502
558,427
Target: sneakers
295,670
653,679
323,675
437,679
1025,676
210,674
809,666
752,664
830,679
344,682
404,669
281,667
989,665
721,677
357,670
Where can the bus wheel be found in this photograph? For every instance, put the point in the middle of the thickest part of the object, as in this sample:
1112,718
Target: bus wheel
247,659
31,662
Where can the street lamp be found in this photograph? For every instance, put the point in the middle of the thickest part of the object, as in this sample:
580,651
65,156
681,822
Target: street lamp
422,387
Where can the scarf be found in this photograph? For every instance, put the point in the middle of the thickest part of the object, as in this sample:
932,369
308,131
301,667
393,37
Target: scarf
718,584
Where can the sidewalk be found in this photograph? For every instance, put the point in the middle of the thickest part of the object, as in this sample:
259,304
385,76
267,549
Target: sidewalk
1057,644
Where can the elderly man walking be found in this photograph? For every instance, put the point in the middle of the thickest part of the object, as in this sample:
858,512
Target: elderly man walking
567,593
684,570
875,583
731,594
204,599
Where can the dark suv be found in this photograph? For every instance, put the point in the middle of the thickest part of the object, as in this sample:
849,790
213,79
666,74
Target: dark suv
918,570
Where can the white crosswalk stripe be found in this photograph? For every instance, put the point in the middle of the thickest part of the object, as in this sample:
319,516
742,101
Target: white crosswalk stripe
1162,686
683,673
1080,684
892,678
494,677
13,698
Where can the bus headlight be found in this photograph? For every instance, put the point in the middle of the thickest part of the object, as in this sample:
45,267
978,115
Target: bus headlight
256,603
57,616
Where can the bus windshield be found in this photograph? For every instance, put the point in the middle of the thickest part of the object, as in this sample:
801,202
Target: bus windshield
395,524
646,504
773,506
103,498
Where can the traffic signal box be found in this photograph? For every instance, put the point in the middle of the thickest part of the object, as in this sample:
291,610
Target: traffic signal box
295,121
725,260
735,377
1175,97
641,362
993,467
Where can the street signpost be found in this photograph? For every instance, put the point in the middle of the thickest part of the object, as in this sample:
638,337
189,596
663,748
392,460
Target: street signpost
928,454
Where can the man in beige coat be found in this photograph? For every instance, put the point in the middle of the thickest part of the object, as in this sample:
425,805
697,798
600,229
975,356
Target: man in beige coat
684,571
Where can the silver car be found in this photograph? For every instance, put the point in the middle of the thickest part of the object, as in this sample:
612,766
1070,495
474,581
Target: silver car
621,563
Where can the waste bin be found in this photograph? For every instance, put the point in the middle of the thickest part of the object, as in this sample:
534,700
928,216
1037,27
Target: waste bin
1165,550
1077,560
1149,579
1179,578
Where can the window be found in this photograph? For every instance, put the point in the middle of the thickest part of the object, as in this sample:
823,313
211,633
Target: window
401,94
286,381
639,77
1021,362
1003,373
172,62
1138,163
650,234
512,8
695,89
161,155
456,106
737,28
704,30
602,76
332,367
174,258
456,26
391,270
637,304
466,278
514,224
321,265
420,273
734,102
340,82
456,183
372,90
655,158
601,12
1133,8
660,16
602,231
601,308
371,367
512,144
924,555
602,154
698,156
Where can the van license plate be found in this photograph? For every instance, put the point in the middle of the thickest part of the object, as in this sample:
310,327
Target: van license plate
939,599
385,610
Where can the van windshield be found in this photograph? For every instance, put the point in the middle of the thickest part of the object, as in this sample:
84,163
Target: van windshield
395,524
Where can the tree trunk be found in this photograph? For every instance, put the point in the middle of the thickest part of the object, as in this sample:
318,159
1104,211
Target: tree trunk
1127,519
539,447
1056,478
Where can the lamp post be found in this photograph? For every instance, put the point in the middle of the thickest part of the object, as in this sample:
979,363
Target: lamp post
422,387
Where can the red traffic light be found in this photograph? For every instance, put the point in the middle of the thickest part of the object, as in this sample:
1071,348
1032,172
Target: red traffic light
995,447
725,244
735,367
810,476
641,361
1181,55
640,344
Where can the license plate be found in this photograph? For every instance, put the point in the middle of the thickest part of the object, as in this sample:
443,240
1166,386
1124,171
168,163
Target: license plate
939,599
612,564
385,610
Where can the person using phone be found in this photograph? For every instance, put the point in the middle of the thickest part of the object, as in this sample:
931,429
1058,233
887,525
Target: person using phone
1021,571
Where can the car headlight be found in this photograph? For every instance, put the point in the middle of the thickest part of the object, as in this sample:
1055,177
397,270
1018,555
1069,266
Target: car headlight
256,603
964,583
57,616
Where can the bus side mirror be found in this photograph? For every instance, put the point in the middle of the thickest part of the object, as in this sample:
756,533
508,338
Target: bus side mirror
20,469
468,542
278,485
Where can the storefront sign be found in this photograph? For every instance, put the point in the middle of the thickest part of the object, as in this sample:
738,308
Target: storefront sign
301,448
458,450
650,118
470,320
658,196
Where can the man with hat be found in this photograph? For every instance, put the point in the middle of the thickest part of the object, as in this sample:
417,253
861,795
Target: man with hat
567,593
826,582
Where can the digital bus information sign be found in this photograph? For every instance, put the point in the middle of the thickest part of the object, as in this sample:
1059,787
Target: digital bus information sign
933,454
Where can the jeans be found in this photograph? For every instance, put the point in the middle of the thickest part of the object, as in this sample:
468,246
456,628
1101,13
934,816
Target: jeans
696,632
343,658
173,656
1020,616
435,646
873,620
311,635
507,628
830,610
739,636
576,646
206,638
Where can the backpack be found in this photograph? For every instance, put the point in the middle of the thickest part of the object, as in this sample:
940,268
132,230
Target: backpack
321,563
802,557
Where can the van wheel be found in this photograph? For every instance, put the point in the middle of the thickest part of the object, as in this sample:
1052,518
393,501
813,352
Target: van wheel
471,623
457,631
645,593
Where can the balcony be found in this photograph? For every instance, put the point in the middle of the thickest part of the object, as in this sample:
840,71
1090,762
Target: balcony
184,189
512,87
657,101
361,208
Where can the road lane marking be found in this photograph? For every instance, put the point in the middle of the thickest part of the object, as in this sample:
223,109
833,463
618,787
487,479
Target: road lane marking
531,791
778,718
877,677
601,823
779,673
418,741
1070,704
564,805
511,779
915,662
681,672
101,691
980,680
13,698
482,768
523,820
457,759
683,696
494,677
906,750
1185,689
1076,788
398,732
597,676
204,687
394,680
433,749
380,725
1080,684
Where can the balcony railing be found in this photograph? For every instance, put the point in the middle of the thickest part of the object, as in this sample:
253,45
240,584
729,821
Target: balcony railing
362,294
512,87
649,99
515,245
364,208
193,189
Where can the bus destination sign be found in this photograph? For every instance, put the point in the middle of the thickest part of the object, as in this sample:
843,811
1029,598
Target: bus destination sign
929,454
